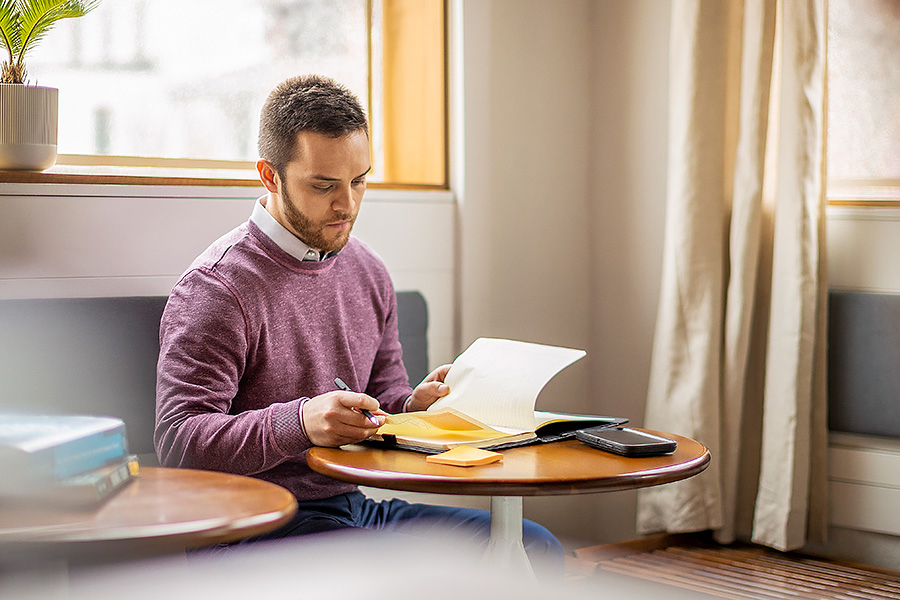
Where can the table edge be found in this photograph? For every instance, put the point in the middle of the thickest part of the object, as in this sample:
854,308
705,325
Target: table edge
423,483
188,535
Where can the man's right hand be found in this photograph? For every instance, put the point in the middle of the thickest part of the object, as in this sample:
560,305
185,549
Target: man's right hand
333,418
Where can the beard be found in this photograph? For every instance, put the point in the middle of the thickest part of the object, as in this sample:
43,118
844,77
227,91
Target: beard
312,233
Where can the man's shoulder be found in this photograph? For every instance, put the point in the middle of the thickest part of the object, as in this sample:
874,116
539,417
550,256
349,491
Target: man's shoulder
360,251
230,256
221,249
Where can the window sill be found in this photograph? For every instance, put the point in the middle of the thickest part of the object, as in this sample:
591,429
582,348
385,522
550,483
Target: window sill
96,175
864,193
161,176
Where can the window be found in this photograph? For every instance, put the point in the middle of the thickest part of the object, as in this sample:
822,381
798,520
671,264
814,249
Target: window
165,84
863,102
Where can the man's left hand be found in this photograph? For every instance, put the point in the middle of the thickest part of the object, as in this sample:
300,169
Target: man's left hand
431,388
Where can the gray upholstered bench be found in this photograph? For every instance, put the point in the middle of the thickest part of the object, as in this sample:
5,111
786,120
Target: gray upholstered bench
98,356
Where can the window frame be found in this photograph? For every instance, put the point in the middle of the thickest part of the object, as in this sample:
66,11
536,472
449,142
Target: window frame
97,169
863,193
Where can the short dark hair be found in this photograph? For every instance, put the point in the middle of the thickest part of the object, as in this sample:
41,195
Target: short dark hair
306,103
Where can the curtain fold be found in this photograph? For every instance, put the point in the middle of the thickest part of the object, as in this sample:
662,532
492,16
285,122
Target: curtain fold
738,358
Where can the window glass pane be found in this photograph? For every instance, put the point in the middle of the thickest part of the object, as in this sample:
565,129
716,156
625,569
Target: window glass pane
863,89
187,78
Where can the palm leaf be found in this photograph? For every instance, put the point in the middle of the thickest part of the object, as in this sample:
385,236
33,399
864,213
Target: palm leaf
9,27
36,17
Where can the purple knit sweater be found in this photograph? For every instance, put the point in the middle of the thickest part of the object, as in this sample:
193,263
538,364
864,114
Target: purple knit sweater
248,333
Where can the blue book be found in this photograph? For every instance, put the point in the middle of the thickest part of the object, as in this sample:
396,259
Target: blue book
41,450
93,487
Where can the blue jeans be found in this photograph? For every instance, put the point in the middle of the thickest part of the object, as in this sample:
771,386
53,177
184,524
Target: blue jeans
355,511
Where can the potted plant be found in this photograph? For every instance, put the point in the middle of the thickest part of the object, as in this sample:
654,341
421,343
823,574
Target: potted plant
28,114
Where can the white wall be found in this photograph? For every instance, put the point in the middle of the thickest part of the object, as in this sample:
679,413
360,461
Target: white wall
630,137
561,179
524,197
90,241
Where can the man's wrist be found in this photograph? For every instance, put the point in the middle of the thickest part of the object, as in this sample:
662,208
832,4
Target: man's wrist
300,415
406,402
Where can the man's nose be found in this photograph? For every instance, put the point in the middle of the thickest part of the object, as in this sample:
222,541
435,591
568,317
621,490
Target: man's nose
343,200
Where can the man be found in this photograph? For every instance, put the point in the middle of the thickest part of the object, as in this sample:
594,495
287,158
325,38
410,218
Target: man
260,325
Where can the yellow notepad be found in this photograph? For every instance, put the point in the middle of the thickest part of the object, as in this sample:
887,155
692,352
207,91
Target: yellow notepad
443,429
465,456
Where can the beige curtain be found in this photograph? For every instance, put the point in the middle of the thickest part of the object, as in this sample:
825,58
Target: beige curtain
739,353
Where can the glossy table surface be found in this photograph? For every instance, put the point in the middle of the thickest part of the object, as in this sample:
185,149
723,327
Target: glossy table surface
568,467
172,508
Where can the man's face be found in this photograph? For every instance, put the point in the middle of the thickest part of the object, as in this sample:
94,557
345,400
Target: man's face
323,188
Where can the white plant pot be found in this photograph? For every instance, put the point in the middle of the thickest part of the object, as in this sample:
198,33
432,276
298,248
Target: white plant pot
28,126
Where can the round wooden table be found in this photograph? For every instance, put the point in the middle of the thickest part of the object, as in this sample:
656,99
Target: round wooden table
162,510
558,468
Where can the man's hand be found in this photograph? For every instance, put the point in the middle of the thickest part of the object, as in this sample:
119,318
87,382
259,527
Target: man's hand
431,388
333,419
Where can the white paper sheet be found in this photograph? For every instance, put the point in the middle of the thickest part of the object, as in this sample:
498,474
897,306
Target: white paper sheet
497,381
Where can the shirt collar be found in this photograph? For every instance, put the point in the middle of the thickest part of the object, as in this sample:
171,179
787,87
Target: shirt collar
285,240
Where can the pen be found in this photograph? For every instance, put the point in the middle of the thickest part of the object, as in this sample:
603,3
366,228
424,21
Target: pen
340,383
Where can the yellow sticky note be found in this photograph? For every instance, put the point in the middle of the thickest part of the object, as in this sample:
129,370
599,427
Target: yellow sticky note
465,456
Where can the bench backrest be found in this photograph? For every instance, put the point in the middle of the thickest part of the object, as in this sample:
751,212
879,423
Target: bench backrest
98,356
864,363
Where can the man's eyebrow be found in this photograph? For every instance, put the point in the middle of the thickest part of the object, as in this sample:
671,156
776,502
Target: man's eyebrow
326,178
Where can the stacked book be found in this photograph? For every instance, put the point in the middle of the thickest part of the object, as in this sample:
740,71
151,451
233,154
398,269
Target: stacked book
65,461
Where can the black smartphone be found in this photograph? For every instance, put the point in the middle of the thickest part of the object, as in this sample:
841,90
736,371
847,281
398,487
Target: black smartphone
626,441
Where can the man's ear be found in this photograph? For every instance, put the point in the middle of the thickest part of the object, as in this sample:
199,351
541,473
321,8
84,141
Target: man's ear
267,175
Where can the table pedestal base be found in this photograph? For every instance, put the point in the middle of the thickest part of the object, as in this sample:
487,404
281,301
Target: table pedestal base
506,550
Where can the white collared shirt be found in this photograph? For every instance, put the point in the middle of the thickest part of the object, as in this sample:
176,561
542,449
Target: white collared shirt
286,240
